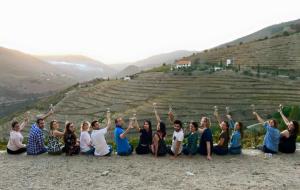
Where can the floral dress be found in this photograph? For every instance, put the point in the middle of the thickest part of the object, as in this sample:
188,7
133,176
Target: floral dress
53,144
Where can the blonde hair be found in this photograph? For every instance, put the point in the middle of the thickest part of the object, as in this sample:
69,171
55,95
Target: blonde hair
85,123
207,120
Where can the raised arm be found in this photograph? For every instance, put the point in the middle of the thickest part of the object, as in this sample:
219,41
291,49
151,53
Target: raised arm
259,119
123,135
230,121
216,114
285,119
156,115
171,117
24,123
50,112
108,119
136,125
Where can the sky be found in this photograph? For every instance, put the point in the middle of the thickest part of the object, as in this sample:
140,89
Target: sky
118,31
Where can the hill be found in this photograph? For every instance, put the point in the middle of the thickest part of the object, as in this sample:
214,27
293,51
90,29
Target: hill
268,32
89,67
155,60
280,54
190,96
25,78
129,70
25,74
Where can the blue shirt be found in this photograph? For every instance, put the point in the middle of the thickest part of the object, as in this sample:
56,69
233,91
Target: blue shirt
272,137
206,137
122,144
235,139
35,141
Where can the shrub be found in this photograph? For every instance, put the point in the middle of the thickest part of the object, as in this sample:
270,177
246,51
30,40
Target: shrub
292,77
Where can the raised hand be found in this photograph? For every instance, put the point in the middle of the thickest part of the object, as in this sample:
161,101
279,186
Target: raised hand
229,117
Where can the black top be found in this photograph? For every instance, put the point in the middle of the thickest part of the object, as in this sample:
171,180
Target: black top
224,135
287,145
206,137
146,137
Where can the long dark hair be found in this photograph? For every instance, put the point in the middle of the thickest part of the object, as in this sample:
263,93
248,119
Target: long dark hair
150,126
295,132
241,128
14,124
195,124
227,131
162,129
69,132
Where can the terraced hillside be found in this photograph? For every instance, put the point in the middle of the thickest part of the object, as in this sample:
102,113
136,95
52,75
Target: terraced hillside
281,52
190,97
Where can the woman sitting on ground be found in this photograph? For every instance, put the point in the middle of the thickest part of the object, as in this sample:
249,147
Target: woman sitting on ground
271,139
145,137
54,147
235,145
222,147
192,140
288,137
159,147
206,139
70,139
15,143
85,139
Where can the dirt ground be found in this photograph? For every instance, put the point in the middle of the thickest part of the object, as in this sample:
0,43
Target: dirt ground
251,170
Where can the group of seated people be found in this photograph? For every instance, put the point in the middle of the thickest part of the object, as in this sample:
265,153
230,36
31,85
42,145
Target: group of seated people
199,137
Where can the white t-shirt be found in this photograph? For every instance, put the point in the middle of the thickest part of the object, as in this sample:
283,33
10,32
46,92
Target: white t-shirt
99,142
15,141
85,141
177,136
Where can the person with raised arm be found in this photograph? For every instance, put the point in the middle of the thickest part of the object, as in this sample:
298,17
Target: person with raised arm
54,147
235,145
177,138
36,143
98,137
124,148
222,147
145,137
15,143
206,140
158,147
271,139
287,143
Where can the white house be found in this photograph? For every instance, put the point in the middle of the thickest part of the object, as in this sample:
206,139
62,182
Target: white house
183,63
127,78
218,69
229,62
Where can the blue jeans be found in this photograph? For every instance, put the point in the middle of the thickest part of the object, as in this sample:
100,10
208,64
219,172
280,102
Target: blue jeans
220,150
266,150
235,150
187,151
89,152
40,152
126,153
